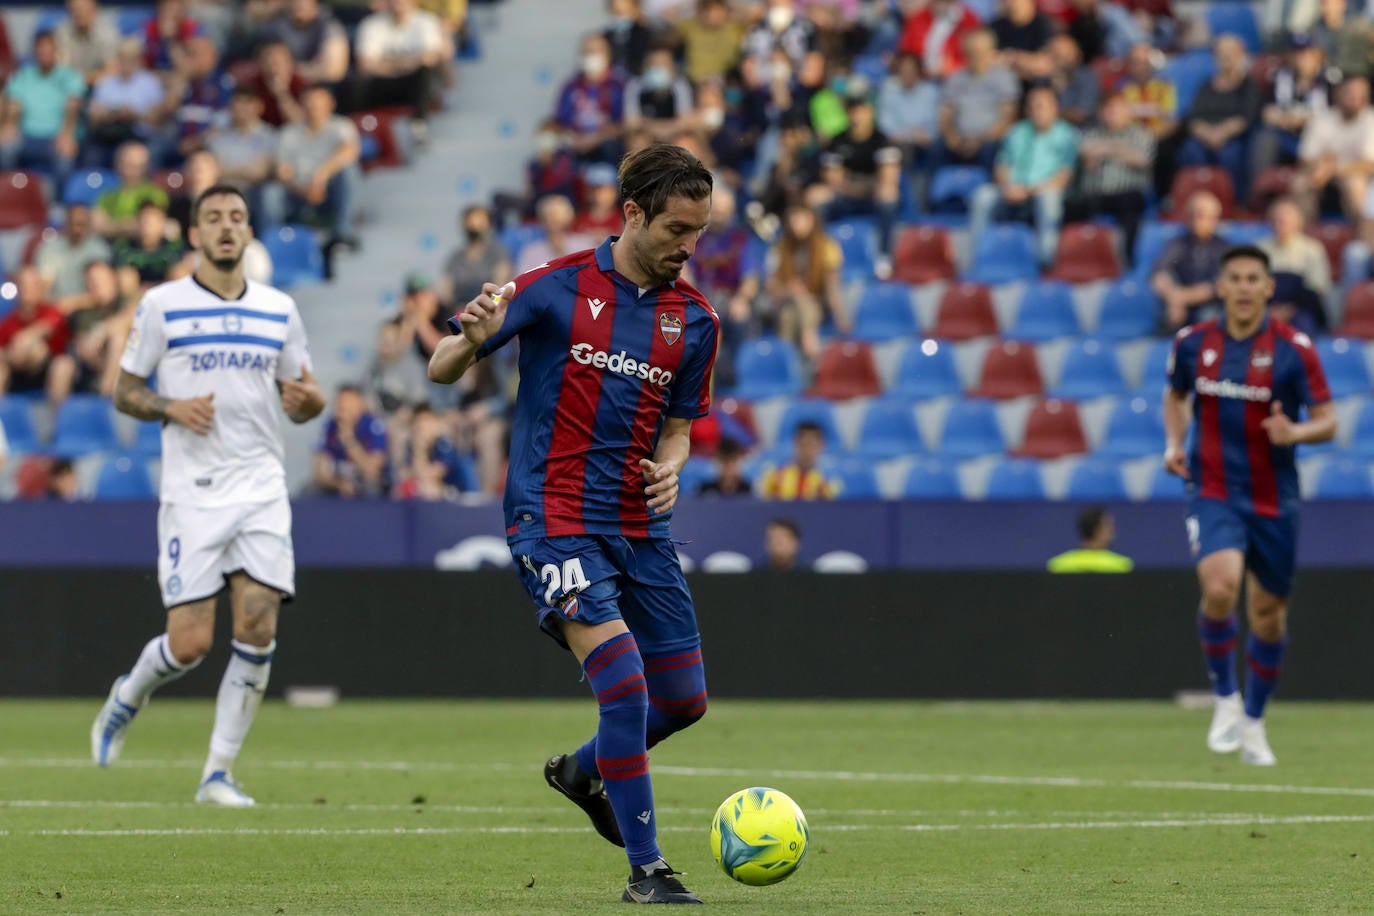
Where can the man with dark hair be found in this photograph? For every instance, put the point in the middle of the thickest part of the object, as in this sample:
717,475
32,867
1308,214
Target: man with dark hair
729,479
41,108
802,477
1096,531
1245,378
781,544
601,431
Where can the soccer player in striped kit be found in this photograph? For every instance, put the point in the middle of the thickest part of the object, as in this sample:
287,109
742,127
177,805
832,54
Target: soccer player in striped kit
1247,375
616,354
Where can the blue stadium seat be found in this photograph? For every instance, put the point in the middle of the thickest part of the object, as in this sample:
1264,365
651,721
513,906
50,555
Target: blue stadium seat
1245,233
1164,485
952,185
124,475
1235,18
1090,370
131,19
1004,253
17,419
1015,478
85,185
148,440
814,410
930,478
858,238
1046,312
518,236
1128,310
49,19
1154,376
1344,478
1096,480
856,480
1343,360
1135,428
1149,245
971,430
1361,436
84,424
1189,71
889,429
296,255
927,370
766,367
884,312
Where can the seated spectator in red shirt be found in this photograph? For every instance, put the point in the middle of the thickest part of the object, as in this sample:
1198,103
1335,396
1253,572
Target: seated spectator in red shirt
33,344
600,215
278,85
935,34
165,37
591,105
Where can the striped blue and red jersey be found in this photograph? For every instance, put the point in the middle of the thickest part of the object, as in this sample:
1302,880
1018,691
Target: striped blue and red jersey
1233,383
602,365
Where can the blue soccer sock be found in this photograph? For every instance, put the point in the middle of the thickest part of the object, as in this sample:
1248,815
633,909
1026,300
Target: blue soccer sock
1265,660
1219,651
677,693
616,672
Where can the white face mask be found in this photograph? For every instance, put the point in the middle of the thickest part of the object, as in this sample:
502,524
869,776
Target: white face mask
780,17
547,142
712,118
594,65
658,78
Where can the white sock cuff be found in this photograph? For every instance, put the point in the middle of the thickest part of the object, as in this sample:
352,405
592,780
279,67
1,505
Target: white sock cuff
253,655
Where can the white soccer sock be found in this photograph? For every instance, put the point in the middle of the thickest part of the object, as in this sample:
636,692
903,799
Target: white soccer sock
155,666
240,694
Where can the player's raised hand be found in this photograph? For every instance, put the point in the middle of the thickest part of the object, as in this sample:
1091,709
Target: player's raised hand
1176,463
1278,426
484,315
196,414
662,486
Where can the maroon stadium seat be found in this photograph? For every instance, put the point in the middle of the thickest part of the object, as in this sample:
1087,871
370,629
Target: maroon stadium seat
965,312
1086,253
1201,178
1010,370
21,200
923,254
1275,181
1359,312
379,126
846,370
1053,430
1334,237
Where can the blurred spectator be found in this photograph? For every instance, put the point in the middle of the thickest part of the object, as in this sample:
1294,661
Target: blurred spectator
315,38
41,107
827,105
453,23
433,467
726,269
150,257
801,478
781,545
125,105
729,139
591,105
246,150
62,483
659,100
980,103
1289,17
278,85
116,210
1344,36
404,344
399,53
98,334
1302,272
1034,168
1218,125
203,90
4,447
1299,89
552,170
317,167
200,173
1152,97
729,479
1336,153
86,42
33,343
601,215
1096,531
710,41
556,218
1104,28
1022,33
351,460
937,32
781,29
481,259
803,288
164,39
1114,171
1185,275
62,258
629,36
1076,85
909,111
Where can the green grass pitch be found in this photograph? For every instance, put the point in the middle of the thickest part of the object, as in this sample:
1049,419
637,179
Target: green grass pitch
440,807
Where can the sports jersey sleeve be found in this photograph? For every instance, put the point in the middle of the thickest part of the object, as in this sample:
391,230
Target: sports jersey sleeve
1182,362
691,393
1312,378
295,352
523,309
147,341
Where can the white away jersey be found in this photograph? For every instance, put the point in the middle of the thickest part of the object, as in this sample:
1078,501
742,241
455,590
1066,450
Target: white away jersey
198,344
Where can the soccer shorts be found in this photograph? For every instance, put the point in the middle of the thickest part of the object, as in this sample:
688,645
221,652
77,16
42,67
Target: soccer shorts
595,578
1270,545
199,547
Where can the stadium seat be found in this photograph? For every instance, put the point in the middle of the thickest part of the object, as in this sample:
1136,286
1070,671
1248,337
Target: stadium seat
923,254
1245,232
971,430
133,19
148,440
1086,253
519,235
1344,478
1238,19
1109,71
736,419
1010,370
930,478
927,370
952,185
1343,360
1004,253
170,180
8,64
1334,237
1128,311
21,200
883,312
858,238
1053,430
17,419
1090,370
806,410
83,187
1359,312
1135,428
856,480
965,311
766,367
1188,71
1045,313
846,370
1201,178
1015,478
1154,375
124,476
889,430
1362,434
1274,182
296,255
49,19
1096,480
377,132
84,424
1150,244
1164,485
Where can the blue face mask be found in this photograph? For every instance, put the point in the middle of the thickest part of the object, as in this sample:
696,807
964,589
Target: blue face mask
733,96
838,84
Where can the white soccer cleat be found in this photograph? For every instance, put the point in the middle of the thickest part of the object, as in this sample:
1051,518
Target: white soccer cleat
1254,744
111,726
220,789
1224,735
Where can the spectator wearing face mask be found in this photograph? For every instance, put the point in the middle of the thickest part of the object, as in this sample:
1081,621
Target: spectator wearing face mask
710,41
782,30
591,106
629,35
660,100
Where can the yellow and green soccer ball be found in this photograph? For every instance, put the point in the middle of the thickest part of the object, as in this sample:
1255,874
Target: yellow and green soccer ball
759,836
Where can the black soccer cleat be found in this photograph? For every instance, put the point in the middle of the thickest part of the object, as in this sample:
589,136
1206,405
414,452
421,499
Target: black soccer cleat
656,883
562,772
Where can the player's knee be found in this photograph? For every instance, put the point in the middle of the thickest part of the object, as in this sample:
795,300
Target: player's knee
256,629
1220,591
191,645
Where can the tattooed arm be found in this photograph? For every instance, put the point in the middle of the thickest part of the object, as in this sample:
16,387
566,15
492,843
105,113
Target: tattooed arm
132,396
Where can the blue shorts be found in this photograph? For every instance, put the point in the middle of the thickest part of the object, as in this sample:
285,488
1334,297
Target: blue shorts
1270,545
594,578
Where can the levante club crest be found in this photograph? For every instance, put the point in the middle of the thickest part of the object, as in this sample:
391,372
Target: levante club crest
670,326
